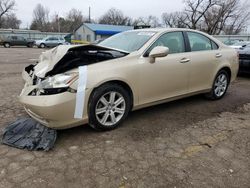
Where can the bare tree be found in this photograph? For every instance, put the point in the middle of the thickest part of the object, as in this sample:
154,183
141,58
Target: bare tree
195,11
75,19
72,21
229,16
175,19
6,6
151,21
211,16
40,18
238,21
115,17
11,21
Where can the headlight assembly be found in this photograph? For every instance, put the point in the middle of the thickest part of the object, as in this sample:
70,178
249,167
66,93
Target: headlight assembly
58,81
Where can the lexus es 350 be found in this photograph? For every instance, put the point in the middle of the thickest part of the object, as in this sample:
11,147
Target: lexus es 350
100,84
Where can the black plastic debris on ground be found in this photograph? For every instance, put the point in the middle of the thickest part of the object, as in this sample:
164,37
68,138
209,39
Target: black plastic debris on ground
28,134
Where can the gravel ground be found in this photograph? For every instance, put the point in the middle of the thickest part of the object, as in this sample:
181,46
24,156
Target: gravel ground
187,143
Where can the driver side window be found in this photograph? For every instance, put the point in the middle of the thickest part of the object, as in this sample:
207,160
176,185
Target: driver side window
174,41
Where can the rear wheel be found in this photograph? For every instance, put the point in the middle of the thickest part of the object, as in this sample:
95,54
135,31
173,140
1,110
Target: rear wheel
108,107
220,86
6,45
30,45
42,45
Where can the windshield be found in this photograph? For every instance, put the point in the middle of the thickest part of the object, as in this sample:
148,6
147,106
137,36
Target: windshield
128,41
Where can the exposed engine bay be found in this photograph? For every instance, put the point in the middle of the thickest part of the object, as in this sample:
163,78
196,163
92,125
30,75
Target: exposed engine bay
76,56
84,55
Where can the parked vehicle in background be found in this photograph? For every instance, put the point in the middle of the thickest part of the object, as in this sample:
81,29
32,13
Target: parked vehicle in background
17,41
230,42
100,84
97,41
239,45
50,41
244,55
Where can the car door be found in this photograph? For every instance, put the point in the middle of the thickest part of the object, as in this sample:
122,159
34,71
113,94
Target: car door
55,42
204,58
61,40
49,42
168,76
20,41
13,40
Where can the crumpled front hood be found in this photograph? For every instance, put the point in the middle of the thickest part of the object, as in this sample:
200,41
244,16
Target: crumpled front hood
49,59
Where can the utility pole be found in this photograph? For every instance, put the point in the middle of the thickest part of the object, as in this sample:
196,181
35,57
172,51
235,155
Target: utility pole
58,23
89,14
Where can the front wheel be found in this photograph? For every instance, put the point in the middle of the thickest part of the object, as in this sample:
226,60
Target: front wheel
220,86
108,107
7,45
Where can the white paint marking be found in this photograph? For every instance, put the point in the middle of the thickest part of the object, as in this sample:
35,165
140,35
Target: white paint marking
80,96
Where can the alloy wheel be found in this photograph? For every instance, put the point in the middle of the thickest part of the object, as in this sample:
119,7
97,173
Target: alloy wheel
6,45
220,85
110,108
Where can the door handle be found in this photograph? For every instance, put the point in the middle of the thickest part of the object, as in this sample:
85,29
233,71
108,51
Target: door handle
184,60
218,55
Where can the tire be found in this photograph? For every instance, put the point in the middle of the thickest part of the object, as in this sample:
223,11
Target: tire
42,45
220,86
6,45
30,45
110,115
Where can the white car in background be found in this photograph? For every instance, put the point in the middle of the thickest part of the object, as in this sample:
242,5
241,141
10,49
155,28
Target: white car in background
239,45
50,41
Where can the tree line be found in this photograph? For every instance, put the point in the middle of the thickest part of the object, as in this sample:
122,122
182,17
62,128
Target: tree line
211,16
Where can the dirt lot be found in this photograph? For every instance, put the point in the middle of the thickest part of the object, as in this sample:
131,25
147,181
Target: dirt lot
187,143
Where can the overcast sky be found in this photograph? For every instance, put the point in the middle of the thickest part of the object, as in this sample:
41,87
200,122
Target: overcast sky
134,8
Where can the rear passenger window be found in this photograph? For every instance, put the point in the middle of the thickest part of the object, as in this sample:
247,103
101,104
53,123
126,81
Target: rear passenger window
199,42
53,38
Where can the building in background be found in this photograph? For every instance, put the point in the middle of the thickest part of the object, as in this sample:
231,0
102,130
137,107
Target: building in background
91,32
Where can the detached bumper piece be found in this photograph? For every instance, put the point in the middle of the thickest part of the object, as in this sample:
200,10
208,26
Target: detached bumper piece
28,134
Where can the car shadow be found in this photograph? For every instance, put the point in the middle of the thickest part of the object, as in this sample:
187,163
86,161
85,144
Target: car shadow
244,75
170,116
151,122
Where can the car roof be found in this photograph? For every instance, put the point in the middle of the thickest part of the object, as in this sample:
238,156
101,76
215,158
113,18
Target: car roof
163,30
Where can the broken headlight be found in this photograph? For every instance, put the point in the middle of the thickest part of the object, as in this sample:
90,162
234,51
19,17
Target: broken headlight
58,81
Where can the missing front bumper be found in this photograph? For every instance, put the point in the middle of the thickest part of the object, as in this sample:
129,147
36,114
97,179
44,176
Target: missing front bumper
26,133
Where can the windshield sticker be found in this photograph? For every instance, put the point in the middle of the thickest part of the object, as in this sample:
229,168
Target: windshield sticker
146,33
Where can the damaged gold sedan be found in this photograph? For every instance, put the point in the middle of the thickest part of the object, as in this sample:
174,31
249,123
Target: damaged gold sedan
100,84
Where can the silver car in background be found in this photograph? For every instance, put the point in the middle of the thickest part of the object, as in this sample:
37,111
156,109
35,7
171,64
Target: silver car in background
50,41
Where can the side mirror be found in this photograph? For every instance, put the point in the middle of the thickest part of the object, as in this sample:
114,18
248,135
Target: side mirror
158,51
